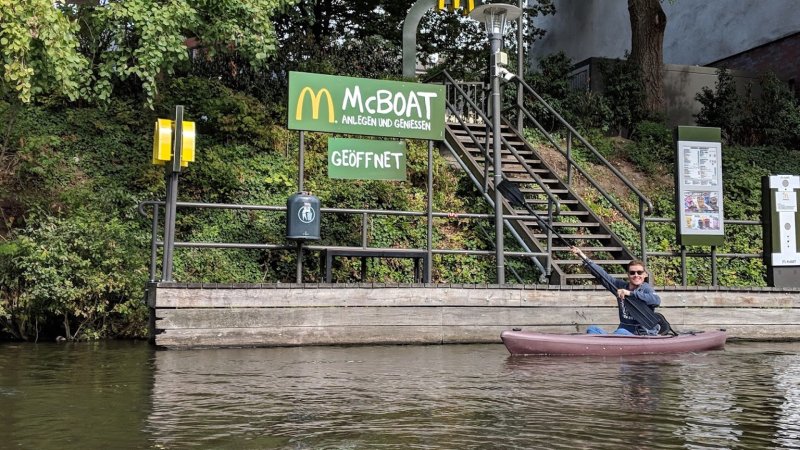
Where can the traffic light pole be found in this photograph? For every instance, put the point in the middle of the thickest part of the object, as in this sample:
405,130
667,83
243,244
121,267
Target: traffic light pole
174,170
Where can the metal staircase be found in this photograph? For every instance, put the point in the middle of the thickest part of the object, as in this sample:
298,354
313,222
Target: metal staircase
551,195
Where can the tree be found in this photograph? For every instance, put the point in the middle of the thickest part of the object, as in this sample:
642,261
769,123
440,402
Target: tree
84,48
648,22
458,41
39,51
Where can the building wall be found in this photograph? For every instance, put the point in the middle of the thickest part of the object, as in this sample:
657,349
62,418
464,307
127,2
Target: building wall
682,83
698,31
781,57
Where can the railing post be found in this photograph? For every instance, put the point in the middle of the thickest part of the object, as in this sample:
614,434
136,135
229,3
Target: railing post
549,264
683,266
154,244
299,274
429,231
713,265
569,158
364,225
642,232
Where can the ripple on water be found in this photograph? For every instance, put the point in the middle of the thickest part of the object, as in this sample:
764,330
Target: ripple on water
470,396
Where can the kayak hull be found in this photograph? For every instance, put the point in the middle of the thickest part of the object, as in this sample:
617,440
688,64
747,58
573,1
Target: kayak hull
530,343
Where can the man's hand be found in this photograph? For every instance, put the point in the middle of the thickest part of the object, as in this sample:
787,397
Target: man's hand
577,251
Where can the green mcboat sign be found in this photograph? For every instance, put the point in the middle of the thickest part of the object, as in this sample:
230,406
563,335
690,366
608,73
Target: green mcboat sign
363,106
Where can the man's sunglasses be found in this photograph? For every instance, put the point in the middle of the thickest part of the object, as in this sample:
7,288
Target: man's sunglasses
636,272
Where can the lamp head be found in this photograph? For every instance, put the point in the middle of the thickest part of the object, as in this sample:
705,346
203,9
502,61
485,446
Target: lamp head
495,15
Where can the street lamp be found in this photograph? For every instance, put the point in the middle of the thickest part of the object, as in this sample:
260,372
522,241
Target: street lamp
494,16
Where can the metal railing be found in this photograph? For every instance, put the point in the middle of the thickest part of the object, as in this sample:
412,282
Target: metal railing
645,207
365,214
469,108
712,254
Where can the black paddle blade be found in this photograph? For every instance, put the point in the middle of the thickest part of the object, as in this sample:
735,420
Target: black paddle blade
512,193
642,313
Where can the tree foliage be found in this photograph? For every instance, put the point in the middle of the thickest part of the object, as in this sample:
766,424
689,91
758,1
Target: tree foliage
39,48
771,118
83,49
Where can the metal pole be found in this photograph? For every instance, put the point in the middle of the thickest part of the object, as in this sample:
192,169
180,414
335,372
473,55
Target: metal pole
300,176
713,265
300,162
683,266
166,254
172,194
496,42
299,262
154,244
643,232
569,158
364,224
429,234
520,65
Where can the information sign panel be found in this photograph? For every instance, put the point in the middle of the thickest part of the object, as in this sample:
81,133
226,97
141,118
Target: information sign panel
366,159
699,188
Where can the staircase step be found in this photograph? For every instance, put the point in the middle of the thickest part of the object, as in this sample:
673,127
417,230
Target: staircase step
560,224
600,262
564,201
588,276
588,249
543,214
506,160
540,191
576,236
576,225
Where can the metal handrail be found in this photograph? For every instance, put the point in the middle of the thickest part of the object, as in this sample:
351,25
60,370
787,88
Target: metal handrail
645,204
479,111
155,243
683,254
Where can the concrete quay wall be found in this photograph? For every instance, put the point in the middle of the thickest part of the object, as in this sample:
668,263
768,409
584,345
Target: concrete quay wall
217,315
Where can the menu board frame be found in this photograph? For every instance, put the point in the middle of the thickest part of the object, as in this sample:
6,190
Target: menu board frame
699,187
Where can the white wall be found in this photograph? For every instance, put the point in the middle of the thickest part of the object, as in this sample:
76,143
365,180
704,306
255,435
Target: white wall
698,31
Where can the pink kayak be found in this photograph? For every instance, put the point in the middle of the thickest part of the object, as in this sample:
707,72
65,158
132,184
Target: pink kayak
530,343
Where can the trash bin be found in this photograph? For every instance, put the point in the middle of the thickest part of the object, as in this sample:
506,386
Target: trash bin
302,217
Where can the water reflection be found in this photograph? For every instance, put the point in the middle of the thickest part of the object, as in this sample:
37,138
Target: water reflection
709,404
60,396
787,382
470,396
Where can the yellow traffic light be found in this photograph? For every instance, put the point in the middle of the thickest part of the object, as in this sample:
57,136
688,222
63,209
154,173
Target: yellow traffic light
187,143
441,5
162,142
469,5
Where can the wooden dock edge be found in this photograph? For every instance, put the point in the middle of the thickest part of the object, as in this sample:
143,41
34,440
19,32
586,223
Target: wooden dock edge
186,316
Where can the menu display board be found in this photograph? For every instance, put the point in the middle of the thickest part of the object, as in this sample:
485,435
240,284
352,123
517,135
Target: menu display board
699,192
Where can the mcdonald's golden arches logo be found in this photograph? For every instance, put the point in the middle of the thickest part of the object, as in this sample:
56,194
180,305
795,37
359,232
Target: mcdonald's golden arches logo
315,100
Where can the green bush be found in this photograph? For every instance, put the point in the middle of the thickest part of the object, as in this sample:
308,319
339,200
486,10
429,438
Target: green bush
623,93
652,149
80,276
772,119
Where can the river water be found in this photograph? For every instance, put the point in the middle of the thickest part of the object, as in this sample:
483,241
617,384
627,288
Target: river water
126,395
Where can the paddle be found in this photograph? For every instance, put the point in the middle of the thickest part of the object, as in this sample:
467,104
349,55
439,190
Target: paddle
637,308
512,193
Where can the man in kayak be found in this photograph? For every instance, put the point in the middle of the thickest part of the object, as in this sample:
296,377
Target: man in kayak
635,287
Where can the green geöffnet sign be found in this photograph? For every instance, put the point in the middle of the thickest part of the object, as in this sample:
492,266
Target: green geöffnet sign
366,159
362,106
